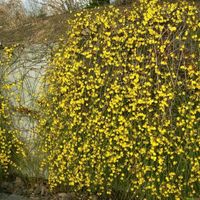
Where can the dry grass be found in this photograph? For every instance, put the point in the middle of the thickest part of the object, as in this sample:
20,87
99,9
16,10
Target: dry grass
35,30
41,29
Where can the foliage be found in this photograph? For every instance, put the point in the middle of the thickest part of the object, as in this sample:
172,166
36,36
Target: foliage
10,145
121,106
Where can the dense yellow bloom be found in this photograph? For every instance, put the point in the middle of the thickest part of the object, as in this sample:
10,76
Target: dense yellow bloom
122,102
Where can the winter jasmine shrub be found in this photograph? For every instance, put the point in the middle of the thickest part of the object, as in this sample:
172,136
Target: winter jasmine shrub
121,106
10,144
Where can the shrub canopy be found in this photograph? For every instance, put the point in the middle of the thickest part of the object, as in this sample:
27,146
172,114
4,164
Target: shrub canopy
121,107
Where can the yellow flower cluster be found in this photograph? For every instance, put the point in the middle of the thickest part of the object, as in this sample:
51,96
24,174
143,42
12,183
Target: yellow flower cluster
10,145
121,107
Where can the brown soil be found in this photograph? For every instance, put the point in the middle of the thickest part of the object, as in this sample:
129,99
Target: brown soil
35,30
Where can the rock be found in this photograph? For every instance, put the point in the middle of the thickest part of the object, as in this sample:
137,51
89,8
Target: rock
19,182
18,186
30,191
43,190
34,198
94,197
62,196
37,189
16,197
4,196
7,187
66,196
40,189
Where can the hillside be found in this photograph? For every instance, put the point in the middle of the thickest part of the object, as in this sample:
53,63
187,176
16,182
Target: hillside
35,30
41,29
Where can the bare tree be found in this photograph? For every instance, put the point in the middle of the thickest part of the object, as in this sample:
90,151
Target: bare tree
12,12
54,6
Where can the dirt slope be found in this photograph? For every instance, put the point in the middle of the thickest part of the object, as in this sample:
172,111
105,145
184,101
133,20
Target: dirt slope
35,30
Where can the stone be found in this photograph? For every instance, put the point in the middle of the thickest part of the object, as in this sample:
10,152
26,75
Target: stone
19,182
7,187
40,189
4,196
19,186
37,189
66,196
34,198
62,196
94,197
44,190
